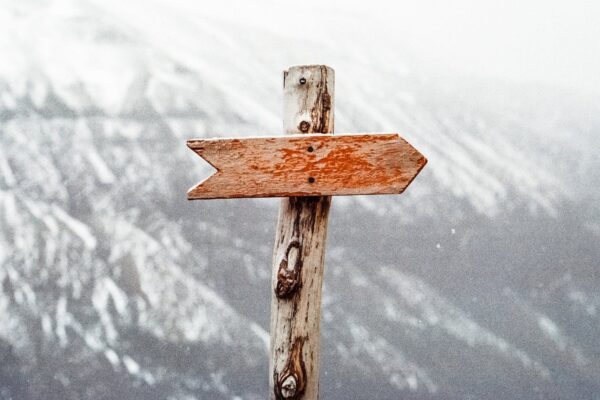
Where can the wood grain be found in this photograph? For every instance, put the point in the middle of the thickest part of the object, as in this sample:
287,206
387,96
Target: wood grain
305,168
299,253
307,165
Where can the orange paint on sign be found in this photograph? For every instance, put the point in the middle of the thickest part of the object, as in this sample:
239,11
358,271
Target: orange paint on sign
306,165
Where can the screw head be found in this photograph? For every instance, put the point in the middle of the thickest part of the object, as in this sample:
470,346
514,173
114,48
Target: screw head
311,179
302,81
310,149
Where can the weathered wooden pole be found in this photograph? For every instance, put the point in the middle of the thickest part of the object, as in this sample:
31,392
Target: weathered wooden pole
310,168
298,257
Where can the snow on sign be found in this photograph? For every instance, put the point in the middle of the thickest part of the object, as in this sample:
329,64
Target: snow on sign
305,168
306,165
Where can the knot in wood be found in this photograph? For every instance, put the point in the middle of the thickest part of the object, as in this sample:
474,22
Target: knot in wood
288,279
288,387
291,383
304,126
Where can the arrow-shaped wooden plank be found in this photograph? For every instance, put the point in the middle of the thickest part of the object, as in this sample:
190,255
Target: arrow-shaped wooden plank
306,165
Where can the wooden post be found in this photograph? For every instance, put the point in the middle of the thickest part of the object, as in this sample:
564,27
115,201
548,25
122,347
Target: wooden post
310,168
299,253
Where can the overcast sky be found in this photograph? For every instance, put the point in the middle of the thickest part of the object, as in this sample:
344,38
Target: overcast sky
549,41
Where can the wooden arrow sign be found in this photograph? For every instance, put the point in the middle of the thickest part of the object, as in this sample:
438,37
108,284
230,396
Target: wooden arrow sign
306,165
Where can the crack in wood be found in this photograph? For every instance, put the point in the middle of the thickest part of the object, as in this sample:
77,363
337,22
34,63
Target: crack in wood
322,106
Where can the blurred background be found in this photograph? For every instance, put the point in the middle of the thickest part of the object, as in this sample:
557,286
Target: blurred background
481,281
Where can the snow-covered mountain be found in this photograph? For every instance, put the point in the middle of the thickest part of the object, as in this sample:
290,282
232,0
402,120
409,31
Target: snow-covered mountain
481,281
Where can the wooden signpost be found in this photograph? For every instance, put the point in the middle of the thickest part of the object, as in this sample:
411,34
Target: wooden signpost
305,169
306,165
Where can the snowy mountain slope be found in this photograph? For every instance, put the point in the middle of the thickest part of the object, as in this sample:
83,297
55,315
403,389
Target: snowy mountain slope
120,66
478,282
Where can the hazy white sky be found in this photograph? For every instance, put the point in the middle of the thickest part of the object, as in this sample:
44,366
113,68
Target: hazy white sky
549,41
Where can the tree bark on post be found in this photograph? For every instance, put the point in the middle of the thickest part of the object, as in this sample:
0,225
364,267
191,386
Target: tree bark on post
298,257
